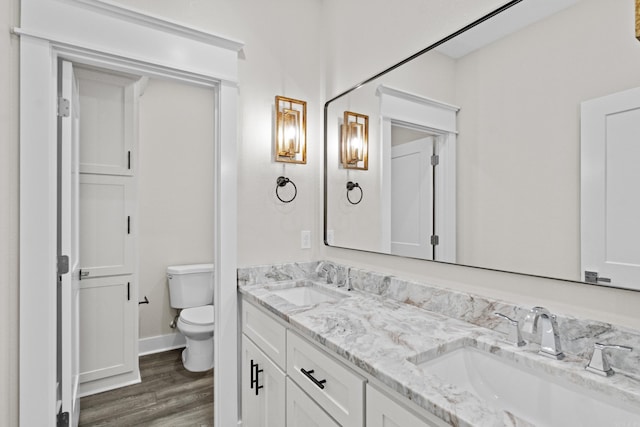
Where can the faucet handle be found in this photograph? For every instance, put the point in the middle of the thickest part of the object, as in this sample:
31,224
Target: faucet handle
599,364
514,336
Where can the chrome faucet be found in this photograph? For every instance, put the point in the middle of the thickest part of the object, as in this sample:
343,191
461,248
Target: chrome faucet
327,270
541,318
599,364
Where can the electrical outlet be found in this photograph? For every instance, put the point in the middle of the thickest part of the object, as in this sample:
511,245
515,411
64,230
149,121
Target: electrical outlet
305,239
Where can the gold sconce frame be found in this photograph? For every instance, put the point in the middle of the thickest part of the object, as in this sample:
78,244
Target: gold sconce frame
354,144
291,130
638,19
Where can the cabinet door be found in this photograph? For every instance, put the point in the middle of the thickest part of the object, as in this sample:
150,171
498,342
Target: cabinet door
107,335
106,239
108,124
263,389
383,411
303,411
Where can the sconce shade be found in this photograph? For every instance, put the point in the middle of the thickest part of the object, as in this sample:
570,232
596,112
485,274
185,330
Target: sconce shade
354,144
290,135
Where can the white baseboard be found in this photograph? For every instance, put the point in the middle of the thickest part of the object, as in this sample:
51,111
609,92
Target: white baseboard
109,383
160,343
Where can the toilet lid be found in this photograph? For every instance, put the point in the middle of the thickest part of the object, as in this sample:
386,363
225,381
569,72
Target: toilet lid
198,315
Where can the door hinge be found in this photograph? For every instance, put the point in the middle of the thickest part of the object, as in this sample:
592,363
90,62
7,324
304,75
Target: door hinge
435,159
63,419
592,277
64,107
435,240
63,264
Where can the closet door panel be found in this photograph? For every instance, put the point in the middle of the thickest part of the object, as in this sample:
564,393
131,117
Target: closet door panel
106,332
105,225
107,122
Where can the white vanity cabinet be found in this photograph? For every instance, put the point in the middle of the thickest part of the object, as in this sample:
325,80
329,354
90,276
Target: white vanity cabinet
263,388
262,384
287,380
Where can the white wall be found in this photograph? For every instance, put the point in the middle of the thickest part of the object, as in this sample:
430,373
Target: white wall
9,11
347,66
525,82
281,57
176,160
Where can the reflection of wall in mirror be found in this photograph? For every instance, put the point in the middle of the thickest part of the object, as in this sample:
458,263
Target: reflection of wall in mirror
529,198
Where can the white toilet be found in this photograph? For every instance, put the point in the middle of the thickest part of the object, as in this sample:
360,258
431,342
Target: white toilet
191,289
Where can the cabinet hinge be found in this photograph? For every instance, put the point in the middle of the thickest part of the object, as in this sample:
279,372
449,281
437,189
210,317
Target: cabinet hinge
435,240
129,160
63,264
435,159
64,107
128,225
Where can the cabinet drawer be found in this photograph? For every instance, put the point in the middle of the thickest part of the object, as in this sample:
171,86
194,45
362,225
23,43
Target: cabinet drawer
266,332
333,386
383,411
302,411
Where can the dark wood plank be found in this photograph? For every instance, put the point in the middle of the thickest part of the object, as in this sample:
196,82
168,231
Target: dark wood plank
168,395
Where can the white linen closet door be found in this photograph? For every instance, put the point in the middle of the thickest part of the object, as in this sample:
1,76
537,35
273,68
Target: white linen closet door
68,229
610,206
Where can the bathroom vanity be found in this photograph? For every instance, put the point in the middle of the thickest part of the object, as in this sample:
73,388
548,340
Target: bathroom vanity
286,376
316,354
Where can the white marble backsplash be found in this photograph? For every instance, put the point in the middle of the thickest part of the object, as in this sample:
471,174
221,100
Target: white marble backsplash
577,336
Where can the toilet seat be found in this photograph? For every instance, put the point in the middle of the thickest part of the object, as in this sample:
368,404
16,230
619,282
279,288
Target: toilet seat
198,316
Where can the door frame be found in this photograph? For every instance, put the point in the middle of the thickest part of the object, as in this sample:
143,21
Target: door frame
141,45
411,110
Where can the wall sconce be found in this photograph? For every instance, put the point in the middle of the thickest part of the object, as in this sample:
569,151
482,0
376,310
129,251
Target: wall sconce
354,150
291,130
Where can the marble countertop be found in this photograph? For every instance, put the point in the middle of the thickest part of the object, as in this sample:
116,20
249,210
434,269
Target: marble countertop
381,336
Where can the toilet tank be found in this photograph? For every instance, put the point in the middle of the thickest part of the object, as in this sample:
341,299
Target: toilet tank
190,285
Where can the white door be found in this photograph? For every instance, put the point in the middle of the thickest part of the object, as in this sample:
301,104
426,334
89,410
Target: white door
412,199
263,389
610,207
69,245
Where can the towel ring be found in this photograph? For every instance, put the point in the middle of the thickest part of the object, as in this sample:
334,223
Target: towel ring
350,186
282,182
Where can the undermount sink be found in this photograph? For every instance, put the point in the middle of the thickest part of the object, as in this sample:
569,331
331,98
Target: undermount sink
536,397
306,293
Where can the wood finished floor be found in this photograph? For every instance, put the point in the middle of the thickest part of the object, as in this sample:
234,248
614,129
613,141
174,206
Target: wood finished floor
168,395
